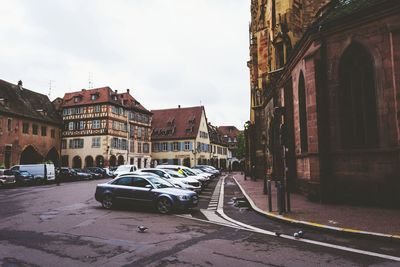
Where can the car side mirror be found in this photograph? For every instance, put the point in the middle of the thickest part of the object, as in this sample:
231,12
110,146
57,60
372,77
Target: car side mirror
149,186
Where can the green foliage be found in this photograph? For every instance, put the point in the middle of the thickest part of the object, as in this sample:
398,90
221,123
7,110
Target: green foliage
241,146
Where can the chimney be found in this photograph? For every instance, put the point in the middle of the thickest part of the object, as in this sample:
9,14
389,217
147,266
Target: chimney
179,106
20,84
116,91
127,90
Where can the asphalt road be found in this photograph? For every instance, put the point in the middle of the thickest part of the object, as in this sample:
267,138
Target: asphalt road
64,226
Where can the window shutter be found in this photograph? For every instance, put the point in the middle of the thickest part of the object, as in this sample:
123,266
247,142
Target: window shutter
180,146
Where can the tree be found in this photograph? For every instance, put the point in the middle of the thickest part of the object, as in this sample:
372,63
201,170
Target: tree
241,146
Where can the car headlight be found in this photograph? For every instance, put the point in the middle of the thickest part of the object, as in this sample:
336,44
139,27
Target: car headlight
183,197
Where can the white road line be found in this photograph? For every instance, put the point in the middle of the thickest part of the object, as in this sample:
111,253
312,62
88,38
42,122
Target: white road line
220,211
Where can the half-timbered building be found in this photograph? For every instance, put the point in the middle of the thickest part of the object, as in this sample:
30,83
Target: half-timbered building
102,127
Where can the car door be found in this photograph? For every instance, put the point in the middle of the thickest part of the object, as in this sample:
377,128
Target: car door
142,194
123,190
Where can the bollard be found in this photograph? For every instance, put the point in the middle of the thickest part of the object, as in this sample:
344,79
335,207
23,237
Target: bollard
269,195
280,197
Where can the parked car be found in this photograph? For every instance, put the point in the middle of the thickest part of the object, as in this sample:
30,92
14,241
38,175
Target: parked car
6,177
209,169
67,174
24,178
96,172
41,172
145,191
125,169
175,178
186,171
110,171
83,174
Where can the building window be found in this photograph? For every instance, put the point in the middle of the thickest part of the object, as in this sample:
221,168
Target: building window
81,125
76,143
175,146
357,98
139,134
94,96
132,146
303,114
63,144
146,148
44,130
35,128
9,125
280,57
25,127
71,126
164,146
187,145
97,108
139,147
96,124
96,142
53,133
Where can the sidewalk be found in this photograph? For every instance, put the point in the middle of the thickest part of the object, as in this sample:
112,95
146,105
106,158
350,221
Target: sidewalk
355,219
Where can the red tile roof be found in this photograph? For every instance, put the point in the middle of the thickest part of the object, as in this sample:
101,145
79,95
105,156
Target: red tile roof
176,123
230,131
104,95
22,102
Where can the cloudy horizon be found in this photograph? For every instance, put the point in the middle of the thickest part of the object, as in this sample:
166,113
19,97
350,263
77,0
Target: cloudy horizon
168,53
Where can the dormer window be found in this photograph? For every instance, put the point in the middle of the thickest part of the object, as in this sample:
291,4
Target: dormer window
77,99
115,97
94,96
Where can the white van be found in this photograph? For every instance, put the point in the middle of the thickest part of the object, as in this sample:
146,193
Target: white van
122,169
44,172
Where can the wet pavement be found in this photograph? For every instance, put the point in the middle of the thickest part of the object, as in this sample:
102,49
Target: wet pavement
64,226
237,208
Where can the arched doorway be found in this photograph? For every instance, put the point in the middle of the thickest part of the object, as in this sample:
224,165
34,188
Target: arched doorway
77,162
89,161
113,161
186,162
100,161
53,156
30,156
121,160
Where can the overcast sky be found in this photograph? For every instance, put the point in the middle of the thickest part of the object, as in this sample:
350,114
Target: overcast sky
167,52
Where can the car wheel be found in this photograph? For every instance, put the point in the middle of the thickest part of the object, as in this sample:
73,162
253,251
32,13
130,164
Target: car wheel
107,202
164,205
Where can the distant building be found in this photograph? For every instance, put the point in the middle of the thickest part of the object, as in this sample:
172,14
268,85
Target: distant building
219,152
102,127
180,136
230,134
30,127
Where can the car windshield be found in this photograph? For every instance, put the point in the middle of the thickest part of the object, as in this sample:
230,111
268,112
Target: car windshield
175,174
159,183
188,172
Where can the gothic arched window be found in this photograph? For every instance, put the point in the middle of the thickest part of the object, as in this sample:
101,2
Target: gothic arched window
357,99
303,114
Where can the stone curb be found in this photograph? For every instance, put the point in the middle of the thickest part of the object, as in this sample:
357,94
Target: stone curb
312,224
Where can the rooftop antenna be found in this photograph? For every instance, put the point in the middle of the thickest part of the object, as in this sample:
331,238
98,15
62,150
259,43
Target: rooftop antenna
50,84
90,81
